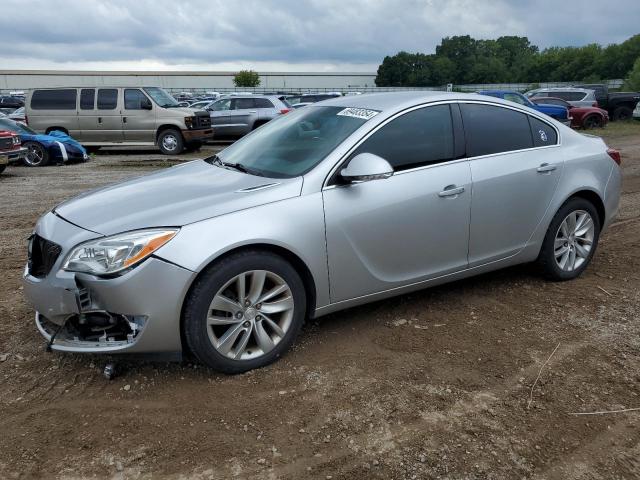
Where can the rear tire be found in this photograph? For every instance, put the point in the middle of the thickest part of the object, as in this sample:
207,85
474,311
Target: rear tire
2,168
571,240
232,319
37,155
622,113
194,146
171,142
592,121
258,124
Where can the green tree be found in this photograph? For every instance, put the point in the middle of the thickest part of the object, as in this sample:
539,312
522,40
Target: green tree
633,78
246,78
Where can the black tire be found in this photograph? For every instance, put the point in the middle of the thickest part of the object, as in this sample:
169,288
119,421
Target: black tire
206,287
92,149
170,141
622,113
37,155
547,260
2,168
56,129
258,124
592,121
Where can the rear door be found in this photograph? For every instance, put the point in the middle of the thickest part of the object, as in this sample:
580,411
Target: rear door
138,122
515,173
265,108
243,112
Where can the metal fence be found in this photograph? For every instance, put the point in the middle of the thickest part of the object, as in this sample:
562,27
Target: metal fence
520,87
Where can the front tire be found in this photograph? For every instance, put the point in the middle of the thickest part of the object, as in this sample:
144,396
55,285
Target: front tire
171,142
244,312
570,241
37,155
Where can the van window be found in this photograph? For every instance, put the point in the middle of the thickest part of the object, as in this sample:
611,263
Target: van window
54,99
490,129
107,98
242,103
133,99
87,98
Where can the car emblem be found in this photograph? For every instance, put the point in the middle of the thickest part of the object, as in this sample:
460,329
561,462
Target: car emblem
543,135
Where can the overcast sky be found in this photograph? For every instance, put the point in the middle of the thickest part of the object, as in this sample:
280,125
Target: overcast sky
289,35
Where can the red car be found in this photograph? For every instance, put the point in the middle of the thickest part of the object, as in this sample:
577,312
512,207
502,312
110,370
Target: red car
583,117
10,148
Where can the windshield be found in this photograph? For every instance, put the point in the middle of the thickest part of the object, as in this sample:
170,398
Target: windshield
162,98
15,127
294,143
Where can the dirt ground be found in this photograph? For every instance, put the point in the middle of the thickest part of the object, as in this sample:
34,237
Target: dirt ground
435,384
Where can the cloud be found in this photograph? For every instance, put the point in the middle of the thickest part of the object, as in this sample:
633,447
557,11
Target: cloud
285,34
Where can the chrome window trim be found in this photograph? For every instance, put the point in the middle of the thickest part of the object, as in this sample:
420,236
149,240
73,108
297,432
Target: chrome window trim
340,162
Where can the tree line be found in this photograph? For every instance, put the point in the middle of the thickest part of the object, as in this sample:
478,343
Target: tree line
508,59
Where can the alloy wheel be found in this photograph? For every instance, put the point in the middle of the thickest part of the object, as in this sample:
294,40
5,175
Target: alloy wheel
250,315
35,155
574,240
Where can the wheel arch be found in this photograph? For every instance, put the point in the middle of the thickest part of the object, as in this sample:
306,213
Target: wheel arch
298,264
51,129
167,126
594,198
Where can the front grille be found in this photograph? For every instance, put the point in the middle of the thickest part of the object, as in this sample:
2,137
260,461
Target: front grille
42,256
7,142
203,121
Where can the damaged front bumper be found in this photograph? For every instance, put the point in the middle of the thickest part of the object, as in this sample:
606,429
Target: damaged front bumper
137,312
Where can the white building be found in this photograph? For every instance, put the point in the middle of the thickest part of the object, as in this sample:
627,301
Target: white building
196,81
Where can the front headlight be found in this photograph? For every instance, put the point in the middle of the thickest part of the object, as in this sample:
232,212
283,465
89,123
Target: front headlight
105,256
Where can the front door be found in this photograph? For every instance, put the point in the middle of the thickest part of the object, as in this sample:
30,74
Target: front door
413,226
138,120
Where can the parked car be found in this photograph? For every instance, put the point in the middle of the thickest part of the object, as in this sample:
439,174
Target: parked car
293,99
108,116
322,209
41,150
582,117
554,111
18,115
620,105
318,97
578,97
10,148
636,112
7,101
238,115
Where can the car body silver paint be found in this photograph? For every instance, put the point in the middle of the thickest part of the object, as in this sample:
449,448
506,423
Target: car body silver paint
350,265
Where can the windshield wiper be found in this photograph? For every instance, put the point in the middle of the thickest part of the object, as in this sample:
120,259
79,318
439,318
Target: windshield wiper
215,160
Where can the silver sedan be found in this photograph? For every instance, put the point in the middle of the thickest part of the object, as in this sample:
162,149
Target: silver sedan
337,204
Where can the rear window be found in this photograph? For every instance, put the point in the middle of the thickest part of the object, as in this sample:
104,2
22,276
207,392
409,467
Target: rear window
107,98
543,134
262,103
54,99
570,96
242,103
490,129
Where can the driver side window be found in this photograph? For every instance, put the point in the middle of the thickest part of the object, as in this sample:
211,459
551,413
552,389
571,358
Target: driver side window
420,137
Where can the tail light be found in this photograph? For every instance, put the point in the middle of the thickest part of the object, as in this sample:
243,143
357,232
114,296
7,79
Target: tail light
615,155
285,110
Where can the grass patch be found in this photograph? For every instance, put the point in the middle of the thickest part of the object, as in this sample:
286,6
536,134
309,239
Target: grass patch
617,130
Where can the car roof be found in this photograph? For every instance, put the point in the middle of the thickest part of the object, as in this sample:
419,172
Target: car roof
392,101
563,89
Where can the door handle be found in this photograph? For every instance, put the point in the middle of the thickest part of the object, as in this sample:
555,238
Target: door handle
124,119
450,191
546,168
99,119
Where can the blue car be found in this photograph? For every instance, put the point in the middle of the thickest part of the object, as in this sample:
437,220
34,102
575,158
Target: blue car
557,112
54,148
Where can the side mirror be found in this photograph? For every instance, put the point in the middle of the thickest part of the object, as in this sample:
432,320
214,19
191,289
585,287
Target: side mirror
145,104
366,166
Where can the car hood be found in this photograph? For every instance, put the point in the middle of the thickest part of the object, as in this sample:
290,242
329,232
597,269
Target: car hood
174,197
546,107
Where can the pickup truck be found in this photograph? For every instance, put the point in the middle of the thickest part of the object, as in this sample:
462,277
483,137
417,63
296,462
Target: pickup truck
10,148
620,105
557,112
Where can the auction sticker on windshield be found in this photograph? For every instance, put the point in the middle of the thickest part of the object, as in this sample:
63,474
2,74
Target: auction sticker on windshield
362,113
